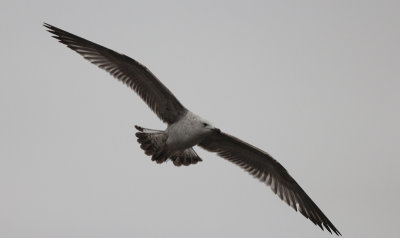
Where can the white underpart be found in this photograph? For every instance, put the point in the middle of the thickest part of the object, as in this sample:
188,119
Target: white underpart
187,132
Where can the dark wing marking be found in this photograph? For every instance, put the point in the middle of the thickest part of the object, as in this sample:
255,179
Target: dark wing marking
127,70
262,166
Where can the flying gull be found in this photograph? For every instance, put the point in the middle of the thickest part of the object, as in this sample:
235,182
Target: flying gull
186,129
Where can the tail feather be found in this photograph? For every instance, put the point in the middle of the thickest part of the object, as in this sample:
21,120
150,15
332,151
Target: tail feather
145,130
151,141
186,157
153,144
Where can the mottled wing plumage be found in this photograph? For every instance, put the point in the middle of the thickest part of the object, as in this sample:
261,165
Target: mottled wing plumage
127,70
268,170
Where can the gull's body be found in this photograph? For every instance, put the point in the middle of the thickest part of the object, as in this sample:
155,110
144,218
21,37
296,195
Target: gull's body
185,129
187,132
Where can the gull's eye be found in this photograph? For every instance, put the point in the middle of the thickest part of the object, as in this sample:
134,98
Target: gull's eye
205,124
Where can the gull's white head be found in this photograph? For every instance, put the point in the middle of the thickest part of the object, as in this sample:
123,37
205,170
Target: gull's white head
198,124
205,126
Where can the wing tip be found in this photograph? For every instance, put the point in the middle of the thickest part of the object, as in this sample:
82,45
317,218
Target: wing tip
327,225
331,228
53,30
50,28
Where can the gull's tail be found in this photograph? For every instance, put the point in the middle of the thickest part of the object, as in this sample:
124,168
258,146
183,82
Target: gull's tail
185,157
151,141
153,144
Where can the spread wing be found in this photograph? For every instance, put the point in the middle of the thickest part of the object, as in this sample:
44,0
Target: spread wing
262,166
127,70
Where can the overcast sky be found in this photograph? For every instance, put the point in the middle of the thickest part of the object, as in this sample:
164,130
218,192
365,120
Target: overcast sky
314,83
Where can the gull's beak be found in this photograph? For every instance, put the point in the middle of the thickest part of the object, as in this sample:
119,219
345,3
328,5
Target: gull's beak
216,130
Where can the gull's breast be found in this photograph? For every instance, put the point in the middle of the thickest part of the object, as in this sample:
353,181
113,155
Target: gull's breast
185,133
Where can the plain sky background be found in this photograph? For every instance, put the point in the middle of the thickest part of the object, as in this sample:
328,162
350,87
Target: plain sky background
314,83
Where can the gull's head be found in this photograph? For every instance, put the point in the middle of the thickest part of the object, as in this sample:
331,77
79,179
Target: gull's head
200,125
207,126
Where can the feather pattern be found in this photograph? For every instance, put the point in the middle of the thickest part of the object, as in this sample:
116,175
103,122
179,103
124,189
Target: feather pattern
128,71
262,166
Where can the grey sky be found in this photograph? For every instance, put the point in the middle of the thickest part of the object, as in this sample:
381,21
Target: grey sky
316,84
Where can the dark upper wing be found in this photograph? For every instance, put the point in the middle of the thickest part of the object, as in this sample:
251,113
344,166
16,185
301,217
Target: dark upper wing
127,70
268,170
